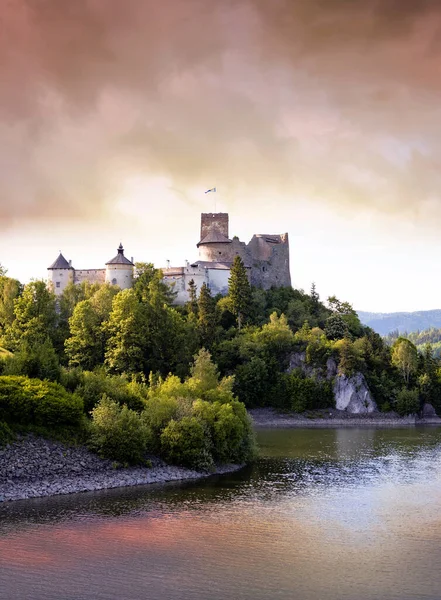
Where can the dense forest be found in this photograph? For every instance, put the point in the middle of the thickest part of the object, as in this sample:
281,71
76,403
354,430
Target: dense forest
386,323
430,336
133,374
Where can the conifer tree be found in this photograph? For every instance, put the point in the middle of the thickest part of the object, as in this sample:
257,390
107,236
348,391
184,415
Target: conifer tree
207,315
193,302
239,290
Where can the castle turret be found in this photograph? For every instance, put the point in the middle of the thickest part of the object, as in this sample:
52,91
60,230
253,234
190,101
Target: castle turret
119,270
214,245
60,274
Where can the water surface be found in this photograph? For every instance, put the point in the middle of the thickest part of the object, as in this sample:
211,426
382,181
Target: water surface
334,514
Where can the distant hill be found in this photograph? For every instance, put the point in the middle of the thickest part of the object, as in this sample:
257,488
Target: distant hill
384,323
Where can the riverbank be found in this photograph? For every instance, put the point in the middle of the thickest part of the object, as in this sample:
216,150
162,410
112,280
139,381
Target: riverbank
268,417
32,467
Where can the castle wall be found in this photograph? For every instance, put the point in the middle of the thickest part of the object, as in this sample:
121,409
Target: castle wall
90,275
269,259
217,220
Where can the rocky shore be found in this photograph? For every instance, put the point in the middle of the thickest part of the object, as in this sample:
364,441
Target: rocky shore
268,417
33,467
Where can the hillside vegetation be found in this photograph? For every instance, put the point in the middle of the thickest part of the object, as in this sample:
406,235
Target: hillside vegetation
153,378
386,323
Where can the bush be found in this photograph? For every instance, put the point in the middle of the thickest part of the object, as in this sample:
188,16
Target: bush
30,402
407,402
306,393
6,434
187,443
118,433
38,361
95,384
231,433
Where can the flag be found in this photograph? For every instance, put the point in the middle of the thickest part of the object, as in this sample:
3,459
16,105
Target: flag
212,190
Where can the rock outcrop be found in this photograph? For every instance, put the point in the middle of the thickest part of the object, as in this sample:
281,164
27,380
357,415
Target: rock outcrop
353,395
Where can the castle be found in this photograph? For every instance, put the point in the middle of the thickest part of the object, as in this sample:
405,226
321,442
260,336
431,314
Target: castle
266,258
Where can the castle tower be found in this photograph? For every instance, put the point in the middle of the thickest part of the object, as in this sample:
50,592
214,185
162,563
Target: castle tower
119,270
60,274
214,245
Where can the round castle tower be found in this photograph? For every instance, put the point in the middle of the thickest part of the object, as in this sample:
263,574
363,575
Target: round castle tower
215,246
119,270
60,274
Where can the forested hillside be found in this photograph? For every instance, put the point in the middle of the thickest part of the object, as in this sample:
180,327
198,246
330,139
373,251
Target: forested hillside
131,373
385,323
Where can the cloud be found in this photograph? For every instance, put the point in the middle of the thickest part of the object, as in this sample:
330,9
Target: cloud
330,100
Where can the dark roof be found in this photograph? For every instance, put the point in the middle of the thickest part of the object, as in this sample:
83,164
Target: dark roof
214,237
120,259
60,263
215,265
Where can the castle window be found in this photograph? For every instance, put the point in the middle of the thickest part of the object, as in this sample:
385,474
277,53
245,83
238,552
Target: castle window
220,252
114,281
58,284
263,268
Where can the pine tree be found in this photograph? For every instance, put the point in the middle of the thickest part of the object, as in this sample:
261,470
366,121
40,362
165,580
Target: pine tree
207,316
193,302
239,290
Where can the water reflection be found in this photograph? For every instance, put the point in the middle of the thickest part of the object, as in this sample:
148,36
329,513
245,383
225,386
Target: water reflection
337,513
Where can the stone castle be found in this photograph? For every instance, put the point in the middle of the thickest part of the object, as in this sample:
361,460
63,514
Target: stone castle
266,258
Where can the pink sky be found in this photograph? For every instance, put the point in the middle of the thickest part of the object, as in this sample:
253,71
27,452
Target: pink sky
316,117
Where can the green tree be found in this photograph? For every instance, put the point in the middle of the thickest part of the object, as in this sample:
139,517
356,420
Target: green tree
239,290
35,317
405,358
207,316
192,304
86,345
335,327
10,290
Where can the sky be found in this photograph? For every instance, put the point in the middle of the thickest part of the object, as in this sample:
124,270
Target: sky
321,118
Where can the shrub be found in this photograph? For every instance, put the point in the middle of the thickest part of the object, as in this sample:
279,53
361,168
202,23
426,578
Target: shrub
38,360
29,402
117,432
306,393
407,402
6,434
232,437
97,383
187,443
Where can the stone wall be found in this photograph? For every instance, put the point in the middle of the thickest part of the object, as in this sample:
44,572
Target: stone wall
268,256
90,275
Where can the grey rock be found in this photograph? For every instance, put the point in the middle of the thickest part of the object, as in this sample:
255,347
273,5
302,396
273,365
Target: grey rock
353,395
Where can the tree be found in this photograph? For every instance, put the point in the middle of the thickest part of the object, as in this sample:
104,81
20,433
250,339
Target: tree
405,358
239,290
10,289
193,302
207,316
86,345
35,316
335,327
315,300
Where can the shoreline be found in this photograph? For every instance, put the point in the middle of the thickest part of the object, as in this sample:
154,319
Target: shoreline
33,467
269,418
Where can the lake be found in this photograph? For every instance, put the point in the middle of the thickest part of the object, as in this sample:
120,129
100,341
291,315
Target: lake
324,514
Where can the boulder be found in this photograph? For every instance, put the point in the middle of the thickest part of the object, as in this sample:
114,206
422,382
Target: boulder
428,411
353,395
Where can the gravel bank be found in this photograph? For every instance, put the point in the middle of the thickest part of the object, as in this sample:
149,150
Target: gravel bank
268,417
33,467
